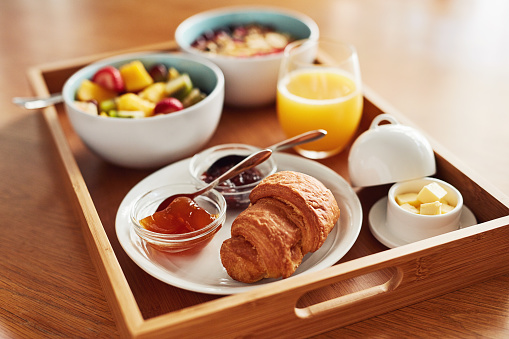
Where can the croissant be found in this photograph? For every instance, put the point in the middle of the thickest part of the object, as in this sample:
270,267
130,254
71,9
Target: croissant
290,215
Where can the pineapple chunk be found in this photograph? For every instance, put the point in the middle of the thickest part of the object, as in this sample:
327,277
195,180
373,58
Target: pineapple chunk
132,102
89,90
173,73
410,208
431,208
431,192
154,93
407,198
135,76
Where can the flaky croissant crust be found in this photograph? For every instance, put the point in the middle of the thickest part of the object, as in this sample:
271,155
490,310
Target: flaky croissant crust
309,197
290,215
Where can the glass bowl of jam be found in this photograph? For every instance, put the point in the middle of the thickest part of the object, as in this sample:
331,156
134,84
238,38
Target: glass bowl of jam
212,162
185,226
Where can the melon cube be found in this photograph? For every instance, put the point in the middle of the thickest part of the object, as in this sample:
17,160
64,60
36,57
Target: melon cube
135,76
132,102
89,90
431,192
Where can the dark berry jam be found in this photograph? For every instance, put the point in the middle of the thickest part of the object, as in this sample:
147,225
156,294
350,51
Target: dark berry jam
223,164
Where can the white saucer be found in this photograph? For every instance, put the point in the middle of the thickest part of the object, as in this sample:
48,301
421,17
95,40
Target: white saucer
378,225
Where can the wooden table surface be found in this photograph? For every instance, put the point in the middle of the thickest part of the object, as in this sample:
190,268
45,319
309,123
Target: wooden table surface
443,63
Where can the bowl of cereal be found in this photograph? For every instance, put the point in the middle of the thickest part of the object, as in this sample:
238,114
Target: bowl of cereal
247,44
145,110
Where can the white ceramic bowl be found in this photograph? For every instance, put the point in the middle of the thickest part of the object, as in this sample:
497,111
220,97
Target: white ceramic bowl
249,81
411,227
153,141
388,153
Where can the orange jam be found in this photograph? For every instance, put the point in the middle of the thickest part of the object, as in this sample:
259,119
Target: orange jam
183,215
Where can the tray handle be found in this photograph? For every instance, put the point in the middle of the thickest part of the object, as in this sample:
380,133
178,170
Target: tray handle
347,300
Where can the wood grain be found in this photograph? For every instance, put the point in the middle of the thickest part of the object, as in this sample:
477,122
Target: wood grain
389,281
442,64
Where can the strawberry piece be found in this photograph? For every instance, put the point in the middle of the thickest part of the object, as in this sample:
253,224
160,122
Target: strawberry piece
110,78
168,105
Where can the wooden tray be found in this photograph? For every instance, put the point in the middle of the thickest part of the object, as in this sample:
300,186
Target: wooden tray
371,279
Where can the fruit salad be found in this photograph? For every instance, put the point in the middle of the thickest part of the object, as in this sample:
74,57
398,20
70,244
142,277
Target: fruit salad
243,41
133,91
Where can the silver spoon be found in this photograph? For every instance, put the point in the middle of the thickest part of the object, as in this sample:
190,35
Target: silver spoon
228,160
38,102
251,161
298,140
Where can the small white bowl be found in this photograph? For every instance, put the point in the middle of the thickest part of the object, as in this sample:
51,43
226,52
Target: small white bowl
411,227
388,153
250,81
153,141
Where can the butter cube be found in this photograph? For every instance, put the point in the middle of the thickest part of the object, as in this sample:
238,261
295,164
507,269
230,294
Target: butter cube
431,208
407,198
410,208
431,192
446,208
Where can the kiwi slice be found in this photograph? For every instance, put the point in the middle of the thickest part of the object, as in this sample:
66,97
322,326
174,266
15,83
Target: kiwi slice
194,96
179,87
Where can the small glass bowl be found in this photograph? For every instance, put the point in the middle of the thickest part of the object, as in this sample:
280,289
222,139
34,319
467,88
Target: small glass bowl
213,202
238,196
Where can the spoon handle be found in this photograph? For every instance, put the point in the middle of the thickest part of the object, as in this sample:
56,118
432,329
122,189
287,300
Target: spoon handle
299,139
251,161
37,102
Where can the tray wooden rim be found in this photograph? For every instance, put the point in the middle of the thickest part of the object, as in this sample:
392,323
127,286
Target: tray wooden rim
129,318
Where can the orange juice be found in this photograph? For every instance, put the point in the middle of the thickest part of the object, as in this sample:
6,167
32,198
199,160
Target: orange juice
326,99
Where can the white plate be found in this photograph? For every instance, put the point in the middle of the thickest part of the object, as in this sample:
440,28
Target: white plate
378,225
203,271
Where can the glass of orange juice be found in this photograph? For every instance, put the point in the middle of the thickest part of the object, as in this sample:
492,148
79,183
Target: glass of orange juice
320,87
